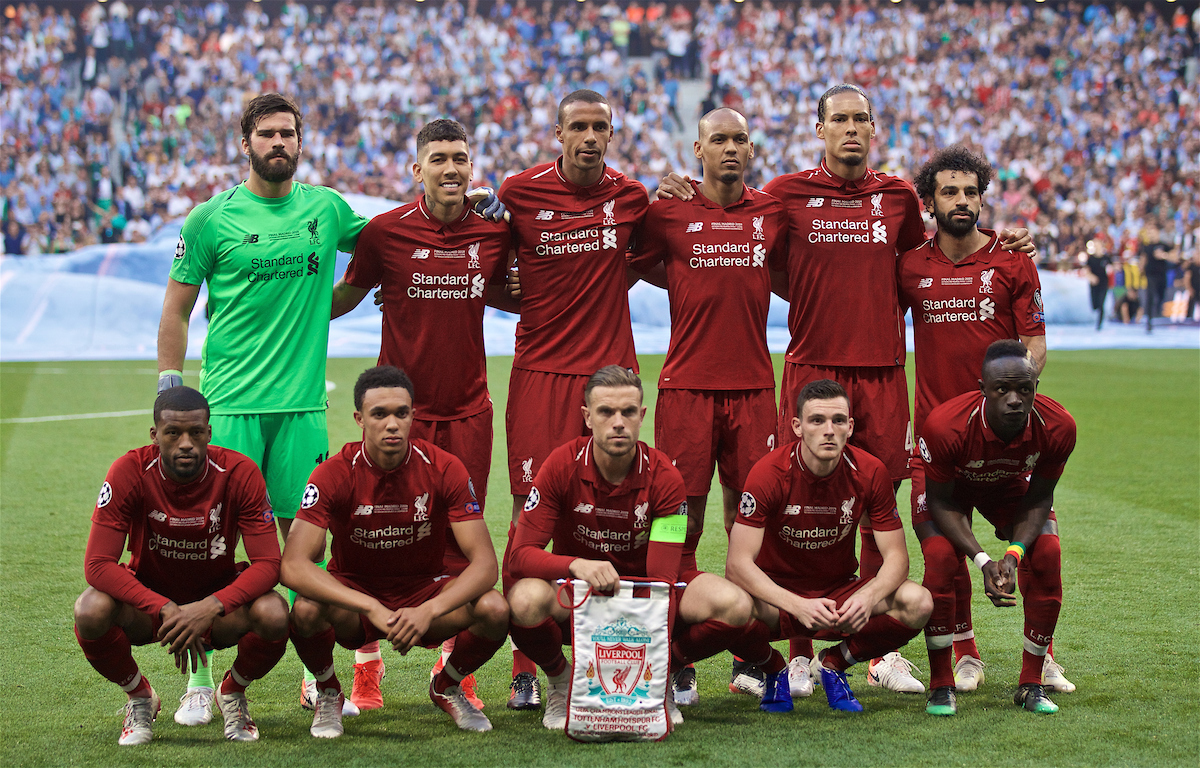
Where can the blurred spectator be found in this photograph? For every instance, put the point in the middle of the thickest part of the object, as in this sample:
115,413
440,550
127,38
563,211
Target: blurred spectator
1098,264
16,238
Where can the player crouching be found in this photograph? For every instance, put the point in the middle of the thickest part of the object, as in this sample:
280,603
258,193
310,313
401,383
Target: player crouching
591,496
182,504
389,502
811,496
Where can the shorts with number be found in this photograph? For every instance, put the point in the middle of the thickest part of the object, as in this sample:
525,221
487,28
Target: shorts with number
287,447
790,626
878,405
409,598
544,411
699,428
1000,512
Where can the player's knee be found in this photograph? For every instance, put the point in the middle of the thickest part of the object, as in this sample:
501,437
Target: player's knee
941,564
95,613
491,610
269,617
1045,559
306,617
916,603
529,601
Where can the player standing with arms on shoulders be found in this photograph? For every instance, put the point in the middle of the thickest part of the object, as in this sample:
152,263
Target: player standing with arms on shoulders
182,504
267,249
1001,452
437,261
572,221
716,393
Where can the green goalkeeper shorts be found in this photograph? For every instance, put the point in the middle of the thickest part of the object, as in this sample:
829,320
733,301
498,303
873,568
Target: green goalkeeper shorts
286,446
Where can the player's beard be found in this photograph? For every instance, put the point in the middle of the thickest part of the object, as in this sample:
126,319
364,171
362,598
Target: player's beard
270,172
956,227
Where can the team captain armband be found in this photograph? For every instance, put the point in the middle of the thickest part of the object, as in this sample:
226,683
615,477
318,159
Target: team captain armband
671,529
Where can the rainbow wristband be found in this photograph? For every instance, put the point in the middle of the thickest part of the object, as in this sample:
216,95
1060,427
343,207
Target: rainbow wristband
1017,550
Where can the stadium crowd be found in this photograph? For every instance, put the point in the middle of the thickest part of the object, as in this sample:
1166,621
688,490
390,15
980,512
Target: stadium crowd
119,116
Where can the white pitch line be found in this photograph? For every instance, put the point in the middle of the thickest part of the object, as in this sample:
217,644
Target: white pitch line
74,416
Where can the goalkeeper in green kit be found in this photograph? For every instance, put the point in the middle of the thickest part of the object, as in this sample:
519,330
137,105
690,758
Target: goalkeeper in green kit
267,249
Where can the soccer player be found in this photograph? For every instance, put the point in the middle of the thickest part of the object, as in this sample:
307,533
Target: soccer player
810,496
848,225
436,259
572,220
390,500
182,504
267,249
965,292
614,507
1001,451
716,393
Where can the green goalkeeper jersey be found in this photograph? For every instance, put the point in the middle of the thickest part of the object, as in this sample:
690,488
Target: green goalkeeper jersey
269,264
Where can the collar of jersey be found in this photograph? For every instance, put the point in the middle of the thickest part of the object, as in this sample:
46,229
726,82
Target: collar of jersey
575,188
271,200
437,223
746,197
362,450
982,256
849,185
590,475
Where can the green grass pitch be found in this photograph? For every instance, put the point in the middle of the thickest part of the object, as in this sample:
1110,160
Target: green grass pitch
1129,507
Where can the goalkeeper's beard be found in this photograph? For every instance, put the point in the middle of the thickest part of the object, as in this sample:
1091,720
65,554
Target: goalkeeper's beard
273,173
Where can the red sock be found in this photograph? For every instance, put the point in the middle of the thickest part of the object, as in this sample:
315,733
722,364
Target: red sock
870,559
1040,578
470,653
800,646
316,653
693,642
941,666
542,643
112,656
882,634
964,642
687,562
256,657
522,663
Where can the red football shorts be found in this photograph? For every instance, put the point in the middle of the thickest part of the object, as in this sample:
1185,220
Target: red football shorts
409,598
699,428
878,404
1000,512
790,626
543,413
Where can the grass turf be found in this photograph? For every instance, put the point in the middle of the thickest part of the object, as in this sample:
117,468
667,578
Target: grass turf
1129,505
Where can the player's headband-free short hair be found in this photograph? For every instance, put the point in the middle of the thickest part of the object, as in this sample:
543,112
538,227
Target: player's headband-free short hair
842,88
585,96
821,389
381,377
612,376
179,398
1004,348
956,158
441,129
268,104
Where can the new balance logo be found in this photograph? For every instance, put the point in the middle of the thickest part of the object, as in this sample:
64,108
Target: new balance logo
926,282
792,509
815,202
544,215
695,226
249,239
421,253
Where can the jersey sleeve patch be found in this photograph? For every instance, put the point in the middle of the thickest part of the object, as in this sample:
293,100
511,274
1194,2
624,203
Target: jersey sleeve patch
180,248
924,450
533,500
747,505
105,495
311,496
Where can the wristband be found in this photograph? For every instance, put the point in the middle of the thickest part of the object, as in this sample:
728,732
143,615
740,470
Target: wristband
168,379
981,560
1017,550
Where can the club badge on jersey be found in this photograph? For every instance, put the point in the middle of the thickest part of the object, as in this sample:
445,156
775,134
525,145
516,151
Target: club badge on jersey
622,654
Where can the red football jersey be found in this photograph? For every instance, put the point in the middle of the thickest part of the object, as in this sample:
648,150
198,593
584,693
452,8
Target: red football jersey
718,285
571,243
389,528
957,445
183,537
843,241
959,309
809,522
433,278
588,517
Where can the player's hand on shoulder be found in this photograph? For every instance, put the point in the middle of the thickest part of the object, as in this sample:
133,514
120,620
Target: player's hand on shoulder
1018,239
487,204
674,185
599,574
